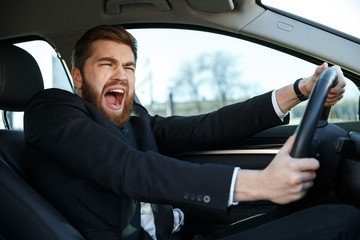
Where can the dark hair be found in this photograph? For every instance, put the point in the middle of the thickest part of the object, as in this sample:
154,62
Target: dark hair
83,51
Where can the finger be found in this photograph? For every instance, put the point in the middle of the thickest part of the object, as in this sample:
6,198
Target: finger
335,94
307,164
324,66
305,186
286,148
339,71
308,176
302,177
333,98
332,101
341,83
339,88
321,68
336,91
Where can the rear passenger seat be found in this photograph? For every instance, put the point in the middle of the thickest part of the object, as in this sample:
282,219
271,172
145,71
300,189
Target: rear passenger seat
24,214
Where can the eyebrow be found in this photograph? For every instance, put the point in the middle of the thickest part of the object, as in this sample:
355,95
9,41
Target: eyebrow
113,60
109,59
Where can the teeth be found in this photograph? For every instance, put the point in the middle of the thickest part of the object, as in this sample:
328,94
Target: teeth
117,90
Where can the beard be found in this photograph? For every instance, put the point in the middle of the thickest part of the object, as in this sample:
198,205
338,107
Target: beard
90,94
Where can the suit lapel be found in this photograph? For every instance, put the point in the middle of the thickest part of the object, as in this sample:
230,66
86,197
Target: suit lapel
140,125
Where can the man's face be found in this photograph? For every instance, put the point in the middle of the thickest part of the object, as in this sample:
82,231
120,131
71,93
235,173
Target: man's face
108,80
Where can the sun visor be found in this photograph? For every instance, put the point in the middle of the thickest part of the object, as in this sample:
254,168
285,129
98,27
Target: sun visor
113,7
217,6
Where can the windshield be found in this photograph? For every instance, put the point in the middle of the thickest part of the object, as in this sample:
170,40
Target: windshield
342,15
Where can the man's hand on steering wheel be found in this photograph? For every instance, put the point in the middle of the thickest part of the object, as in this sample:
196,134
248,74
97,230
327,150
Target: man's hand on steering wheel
335,94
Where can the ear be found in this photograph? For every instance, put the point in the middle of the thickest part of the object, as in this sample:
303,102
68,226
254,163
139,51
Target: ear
77,78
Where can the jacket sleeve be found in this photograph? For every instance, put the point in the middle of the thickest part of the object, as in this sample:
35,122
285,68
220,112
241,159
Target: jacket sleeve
221,128
62,128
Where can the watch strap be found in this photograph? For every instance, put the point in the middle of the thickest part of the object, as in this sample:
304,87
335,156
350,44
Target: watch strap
300,96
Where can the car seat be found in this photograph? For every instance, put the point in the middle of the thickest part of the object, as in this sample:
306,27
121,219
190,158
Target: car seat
24,214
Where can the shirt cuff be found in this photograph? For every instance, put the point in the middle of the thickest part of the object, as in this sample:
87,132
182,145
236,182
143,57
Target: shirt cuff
277,108
178,219
232,188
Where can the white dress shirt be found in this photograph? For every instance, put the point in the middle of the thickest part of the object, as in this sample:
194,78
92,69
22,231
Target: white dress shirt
148,221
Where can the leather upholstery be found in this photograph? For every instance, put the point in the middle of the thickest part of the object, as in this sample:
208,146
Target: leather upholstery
20,77
24,213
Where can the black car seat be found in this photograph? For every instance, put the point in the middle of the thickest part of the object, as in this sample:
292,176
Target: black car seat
24,214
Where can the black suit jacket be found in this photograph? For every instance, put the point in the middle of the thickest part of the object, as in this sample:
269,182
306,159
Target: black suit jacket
96,173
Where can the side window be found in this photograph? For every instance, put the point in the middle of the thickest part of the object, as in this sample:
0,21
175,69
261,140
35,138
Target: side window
52,70
184,72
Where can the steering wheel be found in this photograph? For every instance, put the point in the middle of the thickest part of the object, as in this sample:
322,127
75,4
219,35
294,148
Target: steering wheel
314,112
314,138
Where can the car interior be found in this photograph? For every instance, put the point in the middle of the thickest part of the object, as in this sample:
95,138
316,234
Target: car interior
25,214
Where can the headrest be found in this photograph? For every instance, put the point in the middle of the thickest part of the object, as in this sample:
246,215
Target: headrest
20,77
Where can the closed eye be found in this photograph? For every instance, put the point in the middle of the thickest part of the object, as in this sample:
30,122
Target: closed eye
106,61
130,68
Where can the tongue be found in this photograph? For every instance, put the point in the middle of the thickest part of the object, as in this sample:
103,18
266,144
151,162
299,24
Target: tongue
110,98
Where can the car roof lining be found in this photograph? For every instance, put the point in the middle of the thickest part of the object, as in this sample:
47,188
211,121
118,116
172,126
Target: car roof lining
83,14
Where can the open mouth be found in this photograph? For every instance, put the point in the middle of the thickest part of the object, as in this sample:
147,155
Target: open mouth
114,98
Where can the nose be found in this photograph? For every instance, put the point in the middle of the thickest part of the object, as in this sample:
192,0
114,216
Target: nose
120,74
